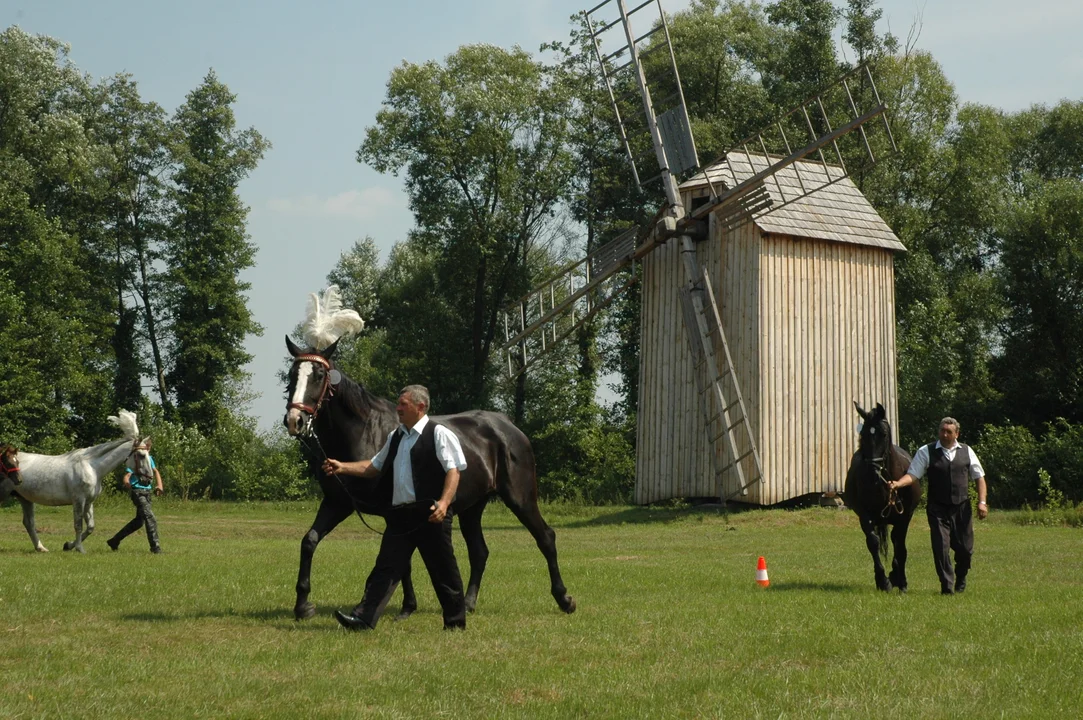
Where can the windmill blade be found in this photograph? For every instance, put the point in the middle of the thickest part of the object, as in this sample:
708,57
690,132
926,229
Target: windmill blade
837,137
538,321
665,121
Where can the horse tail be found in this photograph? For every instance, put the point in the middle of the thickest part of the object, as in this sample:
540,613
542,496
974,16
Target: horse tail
881,531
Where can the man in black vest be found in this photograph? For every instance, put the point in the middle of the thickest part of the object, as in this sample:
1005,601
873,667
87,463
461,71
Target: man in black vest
418,472
950,466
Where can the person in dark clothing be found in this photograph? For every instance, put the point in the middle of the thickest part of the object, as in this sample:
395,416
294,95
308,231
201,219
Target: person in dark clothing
417,473
950,466
138,483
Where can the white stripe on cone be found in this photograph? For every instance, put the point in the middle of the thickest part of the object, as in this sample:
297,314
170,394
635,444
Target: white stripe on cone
761,573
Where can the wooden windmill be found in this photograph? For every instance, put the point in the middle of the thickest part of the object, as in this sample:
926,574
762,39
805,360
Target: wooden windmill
810,150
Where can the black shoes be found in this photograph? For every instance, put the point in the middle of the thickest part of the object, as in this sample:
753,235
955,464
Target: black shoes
113,544
351,622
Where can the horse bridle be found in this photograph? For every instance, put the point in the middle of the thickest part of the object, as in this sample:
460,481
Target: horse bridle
137,445
893,500
326,389
9,470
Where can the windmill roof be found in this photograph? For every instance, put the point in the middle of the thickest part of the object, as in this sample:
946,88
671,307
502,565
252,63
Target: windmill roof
817,200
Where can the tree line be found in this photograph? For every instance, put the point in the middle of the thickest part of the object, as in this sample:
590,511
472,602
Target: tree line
512,165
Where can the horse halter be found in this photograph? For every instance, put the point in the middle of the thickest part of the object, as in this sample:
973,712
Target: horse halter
326,389
139,464
894,502
11,472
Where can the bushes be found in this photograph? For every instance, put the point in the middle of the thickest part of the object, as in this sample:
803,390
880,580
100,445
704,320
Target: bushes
1026,471
592,463
236,463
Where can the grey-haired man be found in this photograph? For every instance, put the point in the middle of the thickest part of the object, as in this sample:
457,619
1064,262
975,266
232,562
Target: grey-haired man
950,466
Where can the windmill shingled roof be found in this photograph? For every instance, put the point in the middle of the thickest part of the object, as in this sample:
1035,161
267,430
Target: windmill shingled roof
829,209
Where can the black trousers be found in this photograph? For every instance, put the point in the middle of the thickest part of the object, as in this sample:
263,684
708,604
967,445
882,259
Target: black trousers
408,528
144,517
951,528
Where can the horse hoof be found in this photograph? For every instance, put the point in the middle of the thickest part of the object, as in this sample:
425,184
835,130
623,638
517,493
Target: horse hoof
471,601
67,546
304,612
568,606
42,548
405,612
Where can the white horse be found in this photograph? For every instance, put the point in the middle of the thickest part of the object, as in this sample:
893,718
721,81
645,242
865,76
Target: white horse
75,478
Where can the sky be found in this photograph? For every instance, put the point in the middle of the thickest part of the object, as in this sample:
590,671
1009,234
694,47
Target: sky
310,78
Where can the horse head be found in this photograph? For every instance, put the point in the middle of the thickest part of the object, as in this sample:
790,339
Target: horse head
312,379
139,458
9,465
875,433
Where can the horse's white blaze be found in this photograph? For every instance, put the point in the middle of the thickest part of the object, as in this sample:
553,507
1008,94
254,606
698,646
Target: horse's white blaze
293,416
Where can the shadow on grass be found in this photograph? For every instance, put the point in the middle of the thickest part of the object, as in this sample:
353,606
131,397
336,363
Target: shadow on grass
262,615
649,515
818,587
271,615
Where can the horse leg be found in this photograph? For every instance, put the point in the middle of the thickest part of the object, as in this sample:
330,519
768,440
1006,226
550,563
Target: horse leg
78,508
28,523
526,509
898,560
872,542
328,517
88,519
476,549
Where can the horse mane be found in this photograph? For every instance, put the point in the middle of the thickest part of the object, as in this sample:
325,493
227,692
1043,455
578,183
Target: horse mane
356,398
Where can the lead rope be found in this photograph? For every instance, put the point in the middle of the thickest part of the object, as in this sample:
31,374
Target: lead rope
893,500
345,489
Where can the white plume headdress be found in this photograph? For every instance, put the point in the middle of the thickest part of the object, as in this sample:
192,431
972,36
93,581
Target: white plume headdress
126,423
326,320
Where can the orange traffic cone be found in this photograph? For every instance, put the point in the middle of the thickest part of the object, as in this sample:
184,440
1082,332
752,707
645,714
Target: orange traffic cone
761,573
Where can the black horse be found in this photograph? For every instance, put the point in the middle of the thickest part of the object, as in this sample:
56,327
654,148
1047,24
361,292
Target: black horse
877,462
350,423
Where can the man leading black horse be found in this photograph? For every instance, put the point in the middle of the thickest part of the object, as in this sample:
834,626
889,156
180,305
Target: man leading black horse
950,466
417,474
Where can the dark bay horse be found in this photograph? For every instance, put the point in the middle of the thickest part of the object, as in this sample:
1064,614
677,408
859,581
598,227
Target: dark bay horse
877,462
350,423
9,467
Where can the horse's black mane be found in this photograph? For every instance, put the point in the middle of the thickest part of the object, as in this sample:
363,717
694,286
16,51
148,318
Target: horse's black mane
358,400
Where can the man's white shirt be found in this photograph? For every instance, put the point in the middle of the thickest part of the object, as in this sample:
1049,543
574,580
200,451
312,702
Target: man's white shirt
448,450
920,464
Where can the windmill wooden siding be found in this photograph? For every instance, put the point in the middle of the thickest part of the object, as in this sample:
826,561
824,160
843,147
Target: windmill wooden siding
806,296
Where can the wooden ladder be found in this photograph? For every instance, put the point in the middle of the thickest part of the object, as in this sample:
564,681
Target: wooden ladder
725,414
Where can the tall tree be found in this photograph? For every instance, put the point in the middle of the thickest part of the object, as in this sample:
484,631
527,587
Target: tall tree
136,166
481,139
208,248
1040,366
805,60
48,233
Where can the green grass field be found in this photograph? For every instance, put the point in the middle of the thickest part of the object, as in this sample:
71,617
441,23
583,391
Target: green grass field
670,622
